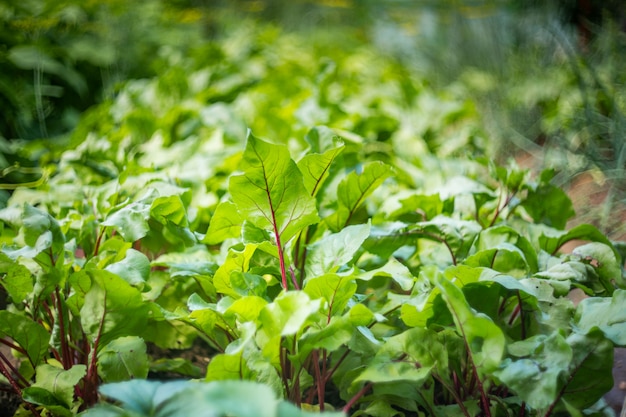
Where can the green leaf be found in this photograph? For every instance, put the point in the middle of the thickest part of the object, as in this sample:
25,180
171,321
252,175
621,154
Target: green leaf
110,306
236,261
141,396
536,377
482,336
393,269
333,251
270,193
353,190
334,289
507,239
228,367
552,240
122,359
607,314
392,371
15,278
168,210
187,398
605,261
246,308
192,262
245,283
35,222
360,315
225,224
30,335
134,268
590,372
287,314
59,382
315,167
131,221
43,397
330,336
548,204
179,366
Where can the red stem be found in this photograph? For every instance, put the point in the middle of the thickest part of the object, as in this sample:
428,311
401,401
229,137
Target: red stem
65,349
281,255
356,397
318,379
98,241
13,370
90,394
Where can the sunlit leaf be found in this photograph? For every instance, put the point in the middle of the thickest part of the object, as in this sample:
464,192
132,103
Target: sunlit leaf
333,251
607,314
225,223
270,193
353,190
134,268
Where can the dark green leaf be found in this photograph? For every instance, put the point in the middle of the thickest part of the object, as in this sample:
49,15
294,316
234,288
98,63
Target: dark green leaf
30,335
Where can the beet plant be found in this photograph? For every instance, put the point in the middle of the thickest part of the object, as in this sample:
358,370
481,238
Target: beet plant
329,280
380,267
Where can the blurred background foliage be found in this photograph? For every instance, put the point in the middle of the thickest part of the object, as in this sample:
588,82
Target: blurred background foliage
540,82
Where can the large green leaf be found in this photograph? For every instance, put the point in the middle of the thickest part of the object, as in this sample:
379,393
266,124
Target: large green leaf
393,269
536,376
270,193
315,167
131,221
288,313
483,337
109,306
15,278
134,268
353,190
122,359
335,290
606,262
552,240
236,261
590,371
186,398
30,335
225,223
59,382
607,314
548,204
333,251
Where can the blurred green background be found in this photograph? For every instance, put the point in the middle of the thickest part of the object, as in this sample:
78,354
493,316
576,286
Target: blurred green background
544,81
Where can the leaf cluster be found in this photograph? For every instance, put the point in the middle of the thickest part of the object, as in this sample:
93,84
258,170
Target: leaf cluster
332,269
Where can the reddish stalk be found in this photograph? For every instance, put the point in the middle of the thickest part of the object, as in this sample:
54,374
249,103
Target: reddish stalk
66,355
4,363
90,394
318,379
356,397
98,241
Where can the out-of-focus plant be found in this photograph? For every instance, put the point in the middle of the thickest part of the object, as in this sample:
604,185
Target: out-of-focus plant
59,58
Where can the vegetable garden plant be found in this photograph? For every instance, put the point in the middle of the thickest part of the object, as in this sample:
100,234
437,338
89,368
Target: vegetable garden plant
339,272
